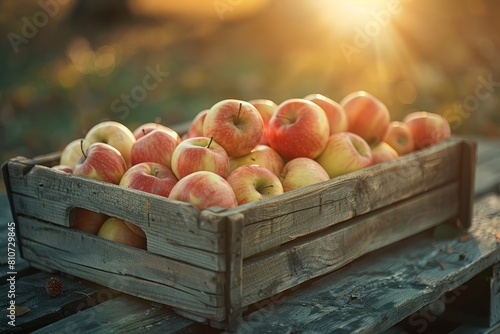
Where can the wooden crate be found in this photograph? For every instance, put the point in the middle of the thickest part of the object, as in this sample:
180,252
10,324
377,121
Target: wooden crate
211,265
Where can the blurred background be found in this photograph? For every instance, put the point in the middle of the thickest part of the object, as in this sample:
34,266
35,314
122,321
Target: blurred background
67,64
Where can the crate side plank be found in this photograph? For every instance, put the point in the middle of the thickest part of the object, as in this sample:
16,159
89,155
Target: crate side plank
56,211
295,263
348,197
422,163
467,184
51,184
195,302
234,274
168,234
74,248
389,285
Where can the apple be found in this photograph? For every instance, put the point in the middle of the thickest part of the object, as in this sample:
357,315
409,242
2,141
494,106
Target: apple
199,154
71,153
252,183
261,155
149,177
87,220
400,138
298,128
235,125
63,168
146,128
204,189
196,127
367,116
301,172
101,162
123,232
383,152
427,128
345,152
114,134
156,146
266,108
335,113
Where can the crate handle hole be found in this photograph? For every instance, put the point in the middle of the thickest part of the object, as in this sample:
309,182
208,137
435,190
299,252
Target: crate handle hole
107,227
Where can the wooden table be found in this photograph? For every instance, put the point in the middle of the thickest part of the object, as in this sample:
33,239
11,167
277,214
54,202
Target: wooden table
441,281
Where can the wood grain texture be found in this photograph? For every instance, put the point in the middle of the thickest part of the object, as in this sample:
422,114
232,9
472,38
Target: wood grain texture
494,316
274,222
387,285
124,268
295,263
43,309
172,229
124,314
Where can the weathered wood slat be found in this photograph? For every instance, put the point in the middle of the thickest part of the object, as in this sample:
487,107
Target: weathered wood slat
57,211
124,314
172,233
120,267
467,178
295,263
387,285
494,316
272,222
42,309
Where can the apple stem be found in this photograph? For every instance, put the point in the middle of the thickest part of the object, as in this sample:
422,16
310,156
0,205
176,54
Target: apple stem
238,116
210,142
144,131
81,148
266,186
155,172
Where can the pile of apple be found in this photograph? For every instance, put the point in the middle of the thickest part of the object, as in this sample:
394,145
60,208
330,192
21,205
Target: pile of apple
238,152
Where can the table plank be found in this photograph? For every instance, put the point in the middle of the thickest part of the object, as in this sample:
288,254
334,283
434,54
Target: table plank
383,287
42,309
124,314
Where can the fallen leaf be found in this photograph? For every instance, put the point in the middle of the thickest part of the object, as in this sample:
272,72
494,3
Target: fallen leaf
21,310
498,235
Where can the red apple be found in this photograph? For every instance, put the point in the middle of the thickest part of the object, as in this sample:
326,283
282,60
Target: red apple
199,154
196,127
252,183
367,116
156,146
122,232
150,177
146,128
204,189
88,221
427,128
301,172
101,162
383,152
400,138
261,155
335,113
266,108
298,128
345,152
71,153
235,125
114,134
